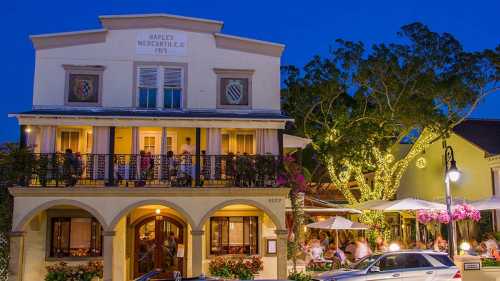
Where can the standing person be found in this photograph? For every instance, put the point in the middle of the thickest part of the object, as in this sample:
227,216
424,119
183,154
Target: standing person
171,247
381,245
325,242
69,168
187,147
362,249
491,244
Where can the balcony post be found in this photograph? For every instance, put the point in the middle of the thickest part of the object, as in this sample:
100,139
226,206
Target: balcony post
197,157
111,157
22,136
280,142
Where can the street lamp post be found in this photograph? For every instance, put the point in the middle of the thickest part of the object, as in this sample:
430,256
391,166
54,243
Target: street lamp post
451,174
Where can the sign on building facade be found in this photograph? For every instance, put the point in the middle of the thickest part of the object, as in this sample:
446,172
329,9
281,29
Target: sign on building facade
161,43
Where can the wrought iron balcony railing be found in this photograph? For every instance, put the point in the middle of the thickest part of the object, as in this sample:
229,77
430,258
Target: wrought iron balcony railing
146,170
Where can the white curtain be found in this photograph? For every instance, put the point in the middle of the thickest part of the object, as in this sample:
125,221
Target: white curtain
100,146
100,140
47,139
214,138
163,149
267,141
33,139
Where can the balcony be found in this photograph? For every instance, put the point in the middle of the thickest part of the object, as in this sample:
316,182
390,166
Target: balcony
146,170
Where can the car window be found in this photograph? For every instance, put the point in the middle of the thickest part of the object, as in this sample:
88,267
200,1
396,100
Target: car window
443,259
416,260
365,262
391,262
398,261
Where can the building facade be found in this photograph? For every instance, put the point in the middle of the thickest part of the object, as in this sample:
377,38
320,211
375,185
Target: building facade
476,145
162,139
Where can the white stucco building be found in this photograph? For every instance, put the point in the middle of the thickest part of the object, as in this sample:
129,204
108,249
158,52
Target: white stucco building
152,129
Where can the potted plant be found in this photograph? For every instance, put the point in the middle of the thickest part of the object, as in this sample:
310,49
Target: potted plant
63,272
229,268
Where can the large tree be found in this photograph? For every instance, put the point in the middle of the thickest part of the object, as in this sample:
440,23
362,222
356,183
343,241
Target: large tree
358,103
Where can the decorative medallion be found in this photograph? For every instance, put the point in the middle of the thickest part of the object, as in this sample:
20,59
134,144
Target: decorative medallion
234,91
83,88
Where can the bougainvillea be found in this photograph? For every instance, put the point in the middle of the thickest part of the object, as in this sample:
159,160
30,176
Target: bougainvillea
292,176
430,216
465,212
460,212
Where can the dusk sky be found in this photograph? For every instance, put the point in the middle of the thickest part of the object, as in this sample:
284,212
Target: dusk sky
305,27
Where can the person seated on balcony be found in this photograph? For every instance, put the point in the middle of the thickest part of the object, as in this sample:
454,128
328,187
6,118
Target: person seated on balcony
187,147
205,165
171,165
144,167
69,168
185,172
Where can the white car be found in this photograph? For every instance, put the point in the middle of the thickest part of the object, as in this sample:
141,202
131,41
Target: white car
398,266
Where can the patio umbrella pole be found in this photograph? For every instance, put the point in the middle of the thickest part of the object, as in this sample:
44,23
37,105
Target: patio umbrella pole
337,239
417,231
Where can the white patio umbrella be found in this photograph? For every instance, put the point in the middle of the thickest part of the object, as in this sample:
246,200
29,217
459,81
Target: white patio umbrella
337,223
406,204
492,203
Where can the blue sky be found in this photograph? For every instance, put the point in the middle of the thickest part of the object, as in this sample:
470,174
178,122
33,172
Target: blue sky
306,27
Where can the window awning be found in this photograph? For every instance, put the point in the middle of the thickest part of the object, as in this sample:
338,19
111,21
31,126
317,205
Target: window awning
290,141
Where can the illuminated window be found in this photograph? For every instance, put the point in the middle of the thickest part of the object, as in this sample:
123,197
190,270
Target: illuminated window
234,235
75,237
69,140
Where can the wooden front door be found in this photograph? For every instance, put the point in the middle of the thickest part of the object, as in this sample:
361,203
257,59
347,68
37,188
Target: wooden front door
159,244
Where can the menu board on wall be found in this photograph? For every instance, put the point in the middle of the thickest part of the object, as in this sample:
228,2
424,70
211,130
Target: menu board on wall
161,43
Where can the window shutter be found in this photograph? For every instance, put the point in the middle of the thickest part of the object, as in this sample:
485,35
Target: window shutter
148,77
172,78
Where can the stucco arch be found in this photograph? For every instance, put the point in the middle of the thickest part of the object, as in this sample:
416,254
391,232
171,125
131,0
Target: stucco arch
59,202
166,203
279,223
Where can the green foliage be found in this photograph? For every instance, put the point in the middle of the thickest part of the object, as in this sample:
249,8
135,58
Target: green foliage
490,262
299,276
358,103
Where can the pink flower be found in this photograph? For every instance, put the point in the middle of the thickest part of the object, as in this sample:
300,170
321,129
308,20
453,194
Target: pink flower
281,180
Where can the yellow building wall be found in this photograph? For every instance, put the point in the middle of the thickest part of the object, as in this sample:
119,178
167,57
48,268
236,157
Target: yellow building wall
123,140
428,183
119,251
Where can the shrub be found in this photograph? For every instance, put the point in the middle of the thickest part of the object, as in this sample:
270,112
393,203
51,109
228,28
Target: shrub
63,272
243,269
489,262
299,276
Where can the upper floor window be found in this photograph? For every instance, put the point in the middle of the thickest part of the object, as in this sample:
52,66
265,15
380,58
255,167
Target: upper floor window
153,80
148,83
83,85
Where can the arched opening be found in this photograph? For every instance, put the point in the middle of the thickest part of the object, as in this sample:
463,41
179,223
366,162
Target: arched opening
60,231
241,228
151,235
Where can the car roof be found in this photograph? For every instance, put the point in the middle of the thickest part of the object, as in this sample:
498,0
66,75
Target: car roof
412,252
